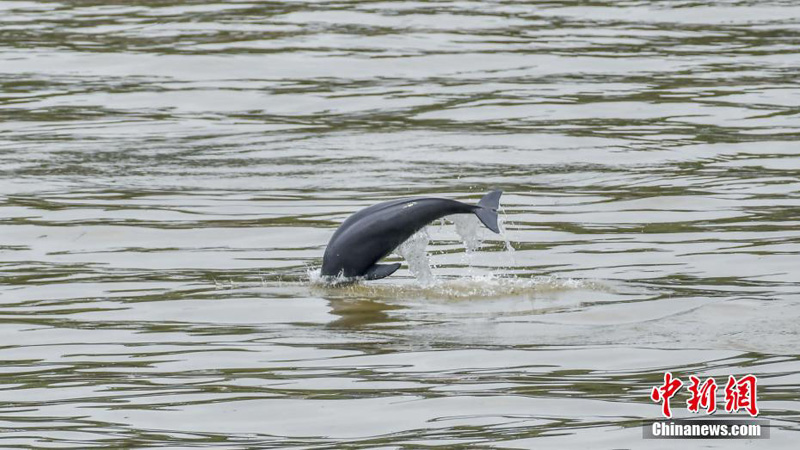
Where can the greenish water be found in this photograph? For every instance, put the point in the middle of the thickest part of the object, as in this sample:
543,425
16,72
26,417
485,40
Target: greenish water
171,173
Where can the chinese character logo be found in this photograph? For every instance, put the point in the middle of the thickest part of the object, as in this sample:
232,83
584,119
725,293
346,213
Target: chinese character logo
665,392
704,396
739,394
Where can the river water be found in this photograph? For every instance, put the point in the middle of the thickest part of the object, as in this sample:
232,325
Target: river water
171,172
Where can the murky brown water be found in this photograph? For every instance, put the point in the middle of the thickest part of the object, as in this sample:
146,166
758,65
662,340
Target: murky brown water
171,171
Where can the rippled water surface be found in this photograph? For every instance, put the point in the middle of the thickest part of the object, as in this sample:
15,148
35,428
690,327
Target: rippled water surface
172,171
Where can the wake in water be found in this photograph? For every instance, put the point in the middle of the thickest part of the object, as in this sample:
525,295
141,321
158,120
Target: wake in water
469,287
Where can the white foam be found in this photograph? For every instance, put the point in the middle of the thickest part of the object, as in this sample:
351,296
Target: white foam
315,277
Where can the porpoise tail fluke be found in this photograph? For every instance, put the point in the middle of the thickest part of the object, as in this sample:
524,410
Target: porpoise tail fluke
487,210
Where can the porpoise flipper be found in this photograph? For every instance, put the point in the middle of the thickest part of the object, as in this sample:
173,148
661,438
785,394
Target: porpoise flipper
378,271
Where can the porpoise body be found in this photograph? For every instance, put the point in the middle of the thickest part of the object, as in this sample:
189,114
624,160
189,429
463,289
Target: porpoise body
371,234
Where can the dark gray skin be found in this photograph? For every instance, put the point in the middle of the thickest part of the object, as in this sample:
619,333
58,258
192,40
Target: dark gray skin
373,233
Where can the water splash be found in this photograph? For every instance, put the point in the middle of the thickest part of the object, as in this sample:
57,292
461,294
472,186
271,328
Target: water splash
315,277
414,251
468,226
502,220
